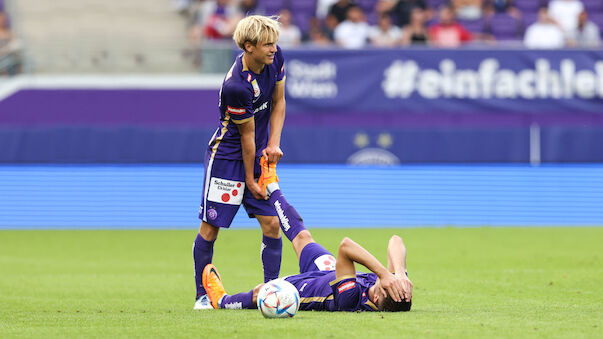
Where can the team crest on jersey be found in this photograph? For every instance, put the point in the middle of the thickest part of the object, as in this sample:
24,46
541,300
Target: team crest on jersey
256,88
225,191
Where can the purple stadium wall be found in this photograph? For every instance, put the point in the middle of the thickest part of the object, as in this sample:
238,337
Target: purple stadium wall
371,106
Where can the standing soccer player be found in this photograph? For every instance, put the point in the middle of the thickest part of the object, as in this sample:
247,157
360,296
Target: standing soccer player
252,112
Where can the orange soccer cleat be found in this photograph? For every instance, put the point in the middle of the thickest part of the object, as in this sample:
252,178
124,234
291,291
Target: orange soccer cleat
213,284
268,174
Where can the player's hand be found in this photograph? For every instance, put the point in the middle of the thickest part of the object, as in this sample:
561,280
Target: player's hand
393,286
272,154
406,286
255,190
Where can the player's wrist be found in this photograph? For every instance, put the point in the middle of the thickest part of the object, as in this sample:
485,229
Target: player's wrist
383,272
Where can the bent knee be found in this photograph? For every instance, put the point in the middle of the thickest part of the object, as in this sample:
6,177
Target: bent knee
304,236
271,227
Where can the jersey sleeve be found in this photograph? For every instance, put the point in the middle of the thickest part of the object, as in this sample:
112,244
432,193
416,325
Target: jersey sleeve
347,293
238,100
280,59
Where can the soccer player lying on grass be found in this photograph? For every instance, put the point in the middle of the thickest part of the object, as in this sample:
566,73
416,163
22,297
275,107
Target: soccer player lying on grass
343,289
324,283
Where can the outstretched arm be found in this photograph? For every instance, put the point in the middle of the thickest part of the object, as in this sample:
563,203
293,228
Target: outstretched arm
350,252
396,263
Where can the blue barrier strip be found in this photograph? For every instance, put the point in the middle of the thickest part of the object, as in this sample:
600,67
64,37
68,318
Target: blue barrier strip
167,196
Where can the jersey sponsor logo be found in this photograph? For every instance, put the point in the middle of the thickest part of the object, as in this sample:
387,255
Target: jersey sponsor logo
281,215
346,286
225,191
325,262
235,110
261,107
256,88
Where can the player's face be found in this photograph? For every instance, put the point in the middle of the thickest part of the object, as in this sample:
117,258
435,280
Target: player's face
263,52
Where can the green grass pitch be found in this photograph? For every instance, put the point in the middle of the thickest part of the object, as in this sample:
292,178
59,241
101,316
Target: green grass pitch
469,282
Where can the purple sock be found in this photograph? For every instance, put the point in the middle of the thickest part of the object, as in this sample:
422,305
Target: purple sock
291,222
203,252
272,250
238,301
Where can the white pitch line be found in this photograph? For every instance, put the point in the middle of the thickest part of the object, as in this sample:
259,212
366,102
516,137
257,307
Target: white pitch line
50,82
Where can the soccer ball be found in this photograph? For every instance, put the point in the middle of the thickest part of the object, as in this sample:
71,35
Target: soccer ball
278,299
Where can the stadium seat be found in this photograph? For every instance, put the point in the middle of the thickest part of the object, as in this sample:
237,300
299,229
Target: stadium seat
302,20
308,6
436,3
302,11
529,6
593,6
273,6
474,26
529,18
503,26
597,18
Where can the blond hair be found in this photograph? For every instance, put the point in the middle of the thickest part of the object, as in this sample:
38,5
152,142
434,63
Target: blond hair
256,29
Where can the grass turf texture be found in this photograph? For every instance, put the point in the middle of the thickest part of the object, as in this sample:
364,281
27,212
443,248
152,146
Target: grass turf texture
475,282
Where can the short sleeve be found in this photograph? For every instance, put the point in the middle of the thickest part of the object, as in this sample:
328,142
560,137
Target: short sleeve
280,59
238,101
347,294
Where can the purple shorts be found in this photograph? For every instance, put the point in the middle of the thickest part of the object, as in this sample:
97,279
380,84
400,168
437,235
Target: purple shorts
224,191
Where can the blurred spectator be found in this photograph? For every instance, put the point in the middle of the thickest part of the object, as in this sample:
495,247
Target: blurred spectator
248,7
323,7
353,32
214,19
317,36
385,34
467,9
448,33
545,33
586,34
566,12
6,36
415,32
340,9
502,6
10,57
399,9
182,6
221,23
290,34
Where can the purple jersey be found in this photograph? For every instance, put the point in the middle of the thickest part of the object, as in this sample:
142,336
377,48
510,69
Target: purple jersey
321,291
245,95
